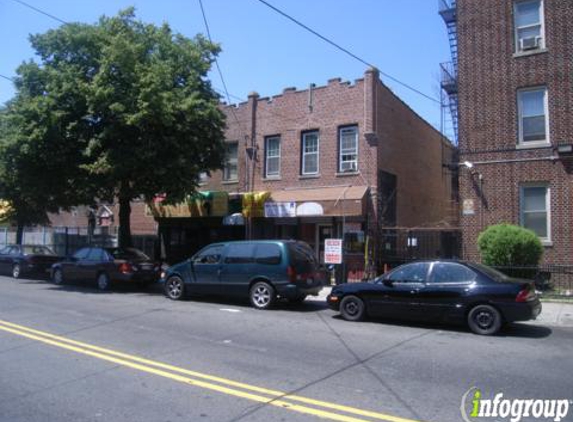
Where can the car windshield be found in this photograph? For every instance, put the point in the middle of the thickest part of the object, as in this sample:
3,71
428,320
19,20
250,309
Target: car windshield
490,272
128,253
37,250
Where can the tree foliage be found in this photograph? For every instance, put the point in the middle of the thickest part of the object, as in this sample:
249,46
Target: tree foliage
119,109
509,246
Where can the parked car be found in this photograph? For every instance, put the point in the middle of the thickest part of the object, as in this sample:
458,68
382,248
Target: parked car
106,266
262,270
448,291
19,260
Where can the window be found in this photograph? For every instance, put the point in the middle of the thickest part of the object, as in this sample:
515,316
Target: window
534,210
533,116
268,254
210,255
447,272
273,156
348,149
81,254
240,253
230,172
310,150
410,273
96,254
528,23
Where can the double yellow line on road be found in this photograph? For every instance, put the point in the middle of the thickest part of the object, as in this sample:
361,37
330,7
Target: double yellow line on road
321,409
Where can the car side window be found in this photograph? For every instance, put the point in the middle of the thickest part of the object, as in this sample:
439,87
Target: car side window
211,255
411,273
82,253
268,254
449,272
242,253
95,255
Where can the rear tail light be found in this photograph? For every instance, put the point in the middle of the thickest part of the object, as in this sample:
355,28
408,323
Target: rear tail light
527,294
125,268
291,272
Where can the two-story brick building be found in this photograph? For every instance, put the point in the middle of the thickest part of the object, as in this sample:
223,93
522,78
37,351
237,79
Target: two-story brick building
513,77
319,162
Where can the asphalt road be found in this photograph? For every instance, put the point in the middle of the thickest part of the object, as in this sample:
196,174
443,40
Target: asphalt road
71,353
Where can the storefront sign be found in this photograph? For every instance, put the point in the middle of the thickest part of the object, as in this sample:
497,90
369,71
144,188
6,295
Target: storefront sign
309,208
468,207
333,251
280,209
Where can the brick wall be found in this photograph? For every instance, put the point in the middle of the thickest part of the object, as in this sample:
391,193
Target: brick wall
490,73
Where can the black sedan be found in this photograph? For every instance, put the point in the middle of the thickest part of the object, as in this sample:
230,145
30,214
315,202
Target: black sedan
19,260
446,291
106,266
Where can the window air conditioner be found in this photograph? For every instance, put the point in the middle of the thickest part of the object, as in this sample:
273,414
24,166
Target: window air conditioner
530,43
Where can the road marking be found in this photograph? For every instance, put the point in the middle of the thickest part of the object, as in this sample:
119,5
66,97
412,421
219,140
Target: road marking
230,310
277,398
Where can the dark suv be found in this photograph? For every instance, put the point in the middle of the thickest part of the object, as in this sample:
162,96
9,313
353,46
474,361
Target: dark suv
262,270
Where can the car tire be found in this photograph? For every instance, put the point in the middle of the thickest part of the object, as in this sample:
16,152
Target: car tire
58,276
103,282
175,288
262,295
484,320
352,308
297,299
16,271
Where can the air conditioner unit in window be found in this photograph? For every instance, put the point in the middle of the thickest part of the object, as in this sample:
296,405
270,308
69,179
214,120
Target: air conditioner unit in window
349,167
530,43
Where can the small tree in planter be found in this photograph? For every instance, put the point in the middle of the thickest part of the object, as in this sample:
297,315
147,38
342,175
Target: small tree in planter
506,245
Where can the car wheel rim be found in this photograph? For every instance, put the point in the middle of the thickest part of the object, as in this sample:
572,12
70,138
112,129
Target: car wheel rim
351,308
484,319
102,282
174,288
58,277
16,271
262,296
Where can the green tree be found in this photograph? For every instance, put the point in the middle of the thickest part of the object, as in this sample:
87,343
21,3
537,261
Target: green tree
506,245
126,105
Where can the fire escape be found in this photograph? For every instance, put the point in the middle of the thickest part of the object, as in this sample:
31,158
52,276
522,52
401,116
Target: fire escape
449,70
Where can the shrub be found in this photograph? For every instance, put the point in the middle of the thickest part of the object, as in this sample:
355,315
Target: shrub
506,245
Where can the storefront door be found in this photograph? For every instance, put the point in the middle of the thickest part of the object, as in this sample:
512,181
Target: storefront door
322,232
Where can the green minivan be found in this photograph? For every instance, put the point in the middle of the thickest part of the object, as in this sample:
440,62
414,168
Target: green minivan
262,270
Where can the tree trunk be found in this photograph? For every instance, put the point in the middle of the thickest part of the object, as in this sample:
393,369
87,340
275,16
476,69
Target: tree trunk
19,233
124,222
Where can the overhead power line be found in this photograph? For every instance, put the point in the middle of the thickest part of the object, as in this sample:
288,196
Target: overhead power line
7,78
23,3
348,52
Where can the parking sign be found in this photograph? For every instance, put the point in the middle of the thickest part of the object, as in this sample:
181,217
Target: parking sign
333,251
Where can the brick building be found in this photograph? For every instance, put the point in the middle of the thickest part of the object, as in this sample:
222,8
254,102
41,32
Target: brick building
319,162
512,81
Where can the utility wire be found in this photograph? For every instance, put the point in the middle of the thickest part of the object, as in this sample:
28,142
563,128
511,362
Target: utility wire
7,78
23,3
348,52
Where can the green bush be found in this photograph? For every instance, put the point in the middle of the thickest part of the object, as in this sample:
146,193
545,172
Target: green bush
506,245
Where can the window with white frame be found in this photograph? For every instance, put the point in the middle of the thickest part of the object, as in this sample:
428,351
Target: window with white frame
310,153
534,209
533,115
231,169
528,23
273,156
348,149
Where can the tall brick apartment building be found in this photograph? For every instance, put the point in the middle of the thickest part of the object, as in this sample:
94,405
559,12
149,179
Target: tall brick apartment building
311,164
512,81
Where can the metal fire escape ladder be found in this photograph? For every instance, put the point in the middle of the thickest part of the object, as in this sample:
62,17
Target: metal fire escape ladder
449,70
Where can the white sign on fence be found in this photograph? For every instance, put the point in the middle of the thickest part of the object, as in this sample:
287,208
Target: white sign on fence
333,251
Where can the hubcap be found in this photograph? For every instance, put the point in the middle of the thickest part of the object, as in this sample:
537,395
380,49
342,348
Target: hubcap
261,296
58,277
102,281
351,308
174,288
16,271
484,319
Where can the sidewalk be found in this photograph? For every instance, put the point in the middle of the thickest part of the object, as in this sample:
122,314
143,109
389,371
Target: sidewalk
555,314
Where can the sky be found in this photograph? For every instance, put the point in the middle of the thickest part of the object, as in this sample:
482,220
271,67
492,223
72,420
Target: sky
262,51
